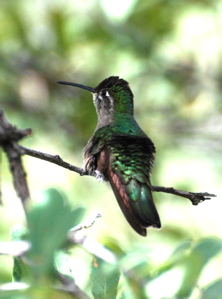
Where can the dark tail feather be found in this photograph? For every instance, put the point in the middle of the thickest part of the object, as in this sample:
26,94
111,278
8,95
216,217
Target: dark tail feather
124,203
139,212
145,209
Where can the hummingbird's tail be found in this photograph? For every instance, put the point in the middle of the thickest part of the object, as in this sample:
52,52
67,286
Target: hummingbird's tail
136,202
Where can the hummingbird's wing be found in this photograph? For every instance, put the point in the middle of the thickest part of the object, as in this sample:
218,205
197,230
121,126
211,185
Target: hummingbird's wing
130,161
93,148
126,162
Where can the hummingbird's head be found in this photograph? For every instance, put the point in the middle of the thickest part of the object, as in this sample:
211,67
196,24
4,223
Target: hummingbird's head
111,97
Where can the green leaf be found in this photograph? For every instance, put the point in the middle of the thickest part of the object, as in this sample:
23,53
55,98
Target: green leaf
213,291
137,270
18,232
104,279
62,263
49,222
194,262
19,270
176,257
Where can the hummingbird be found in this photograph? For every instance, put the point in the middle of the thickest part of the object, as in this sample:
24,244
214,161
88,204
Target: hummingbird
121,153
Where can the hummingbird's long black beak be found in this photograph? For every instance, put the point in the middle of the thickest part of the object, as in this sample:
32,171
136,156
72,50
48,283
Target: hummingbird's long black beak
78,85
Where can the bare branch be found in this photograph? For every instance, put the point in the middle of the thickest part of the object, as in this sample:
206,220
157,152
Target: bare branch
9,135
195,198
55,159
85,225
9,132
18,173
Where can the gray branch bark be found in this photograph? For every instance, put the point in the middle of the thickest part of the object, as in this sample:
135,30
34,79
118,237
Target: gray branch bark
9,137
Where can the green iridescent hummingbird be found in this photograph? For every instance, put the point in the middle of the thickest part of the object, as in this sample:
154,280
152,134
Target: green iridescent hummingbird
121,153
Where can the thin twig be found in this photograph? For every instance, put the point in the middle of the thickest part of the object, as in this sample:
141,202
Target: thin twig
55,159
85,225
195,198
92,246
76,236
9,135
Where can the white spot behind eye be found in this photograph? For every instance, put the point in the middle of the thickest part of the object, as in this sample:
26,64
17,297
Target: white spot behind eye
107,94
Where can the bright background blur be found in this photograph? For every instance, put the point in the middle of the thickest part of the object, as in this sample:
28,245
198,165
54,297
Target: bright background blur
171,54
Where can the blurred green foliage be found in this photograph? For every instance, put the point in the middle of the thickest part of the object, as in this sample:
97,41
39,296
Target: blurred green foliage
170,53
48,223
104,279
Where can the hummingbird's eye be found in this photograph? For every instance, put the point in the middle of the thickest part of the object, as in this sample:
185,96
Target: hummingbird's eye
105,93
